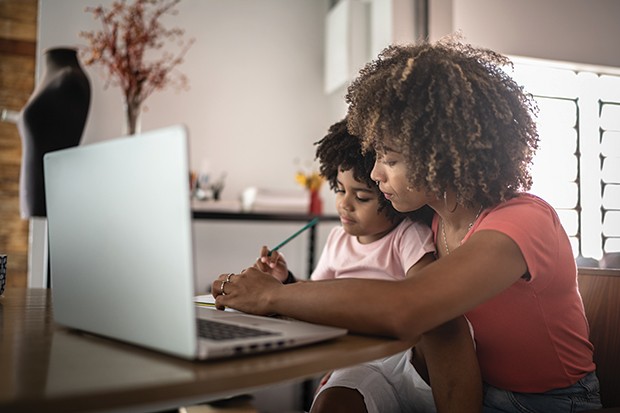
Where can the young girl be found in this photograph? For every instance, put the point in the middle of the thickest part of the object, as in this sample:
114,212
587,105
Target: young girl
372,235
377,242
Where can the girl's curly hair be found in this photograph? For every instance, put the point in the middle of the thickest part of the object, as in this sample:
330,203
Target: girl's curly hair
341,151
458,118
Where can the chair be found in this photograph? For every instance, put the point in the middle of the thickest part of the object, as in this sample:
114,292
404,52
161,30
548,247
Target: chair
600,291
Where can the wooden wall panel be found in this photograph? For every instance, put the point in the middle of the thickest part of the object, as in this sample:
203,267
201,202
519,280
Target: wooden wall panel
18,20
18,30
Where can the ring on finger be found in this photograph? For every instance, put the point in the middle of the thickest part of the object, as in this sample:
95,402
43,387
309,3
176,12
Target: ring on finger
222,287
228,277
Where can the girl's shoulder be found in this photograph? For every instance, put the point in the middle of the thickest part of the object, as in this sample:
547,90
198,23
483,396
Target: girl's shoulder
418,231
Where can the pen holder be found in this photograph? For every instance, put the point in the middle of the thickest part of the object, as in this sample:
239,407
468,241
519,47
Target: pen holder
3,259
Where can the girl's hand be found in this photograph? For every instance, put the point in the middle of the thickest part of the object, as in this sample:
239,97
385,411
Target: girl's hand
273,264
322,382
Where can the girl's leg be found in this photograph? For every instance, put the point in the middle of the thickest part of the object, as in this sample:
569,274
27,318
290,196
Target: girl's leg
383,386
339,400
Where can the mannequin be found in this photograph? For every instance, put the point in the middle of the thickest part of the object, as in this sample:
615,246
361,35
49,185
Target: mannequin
53,118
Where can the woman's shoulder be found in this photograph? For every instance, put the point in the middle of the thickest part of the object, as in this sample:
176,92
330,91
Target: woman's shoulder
525,211
523,203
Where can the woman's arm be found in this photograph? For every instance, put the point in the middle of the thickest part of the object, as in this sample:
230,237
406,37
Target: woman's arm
486,264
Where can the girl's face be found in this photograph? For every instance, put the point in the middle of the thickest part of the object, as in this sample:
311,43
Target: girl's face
390,171
357,206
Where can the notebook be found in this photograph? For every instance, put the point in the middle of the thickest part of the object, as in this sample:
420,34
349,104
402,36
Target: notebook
122,254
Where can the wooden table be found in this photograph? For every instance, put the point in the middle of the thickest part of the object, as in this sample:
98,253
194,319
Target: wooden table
44,367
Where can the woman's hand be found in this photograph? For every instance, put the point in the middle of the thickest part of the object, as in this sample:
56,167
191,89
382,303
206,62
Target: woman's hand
250,291
273,264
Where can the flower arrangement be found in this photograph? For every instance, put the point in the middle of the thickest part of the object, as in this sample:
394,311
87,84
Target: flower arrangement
130,32
311,181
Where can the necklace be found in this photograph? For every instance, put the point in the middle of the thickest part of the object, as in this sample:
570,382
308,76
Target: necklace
443,230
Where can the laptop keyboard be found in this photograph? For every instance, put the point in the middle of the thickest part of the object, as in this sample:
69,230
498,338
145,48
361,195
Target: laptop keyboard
215,330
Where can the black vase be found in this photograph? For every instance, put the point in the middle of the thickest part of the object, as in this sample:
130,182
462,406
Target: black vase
53,118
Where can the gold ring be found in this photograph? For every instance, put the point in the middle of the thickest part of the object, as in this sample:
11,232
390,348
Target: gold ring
222,287
228,277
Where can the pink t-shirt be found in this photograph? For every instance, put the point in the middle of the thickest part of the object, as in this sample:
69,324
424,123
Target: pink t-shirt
533,336
387,258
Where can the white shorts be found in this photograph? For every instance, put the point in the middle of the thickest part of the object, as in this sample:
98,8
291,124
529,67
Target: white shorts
390,384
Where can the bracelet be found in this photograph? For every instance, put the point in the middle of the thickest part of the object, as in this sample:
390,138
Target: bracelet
290,279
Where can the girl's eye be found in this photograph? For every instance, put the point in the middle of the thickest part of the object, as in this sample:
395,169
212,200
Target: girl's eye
363,200
339,191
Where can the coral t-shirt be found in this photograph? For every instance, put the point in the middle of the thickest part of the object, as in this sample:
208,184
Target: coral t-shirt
533,336
387,258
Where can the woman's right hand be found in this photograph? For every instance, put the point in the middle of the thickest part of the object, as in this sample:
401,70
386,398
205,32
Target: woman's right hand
273,264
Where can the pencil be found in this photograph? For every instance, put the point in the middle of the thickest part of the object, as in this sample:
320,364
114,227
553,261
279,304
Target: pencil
305,227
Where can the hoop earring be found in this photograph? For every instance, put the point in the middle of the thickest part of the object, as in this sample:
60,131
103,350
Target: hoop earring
445,201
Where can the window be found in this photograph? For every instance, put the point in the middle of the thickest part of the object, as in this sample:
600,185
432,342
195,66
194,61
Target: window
577,167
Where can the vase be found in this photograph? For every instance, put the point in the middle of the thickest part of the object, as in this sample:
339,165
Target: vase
133,115
53,118
316,203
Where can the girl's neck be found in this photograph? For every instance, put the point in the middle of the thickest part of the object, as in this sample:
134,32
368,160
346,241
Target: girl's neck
368,239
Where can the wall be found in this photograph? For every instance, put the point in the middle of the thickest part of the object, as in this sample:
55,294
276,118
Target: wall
254,109
255,104
566,30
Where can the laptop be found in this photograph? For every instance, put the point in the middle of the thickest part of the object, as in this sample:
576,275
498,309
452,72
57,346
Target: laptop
122,253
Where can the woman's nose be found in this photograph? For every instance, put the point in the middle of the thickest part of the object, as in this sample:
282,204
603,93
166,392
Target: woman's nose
375,174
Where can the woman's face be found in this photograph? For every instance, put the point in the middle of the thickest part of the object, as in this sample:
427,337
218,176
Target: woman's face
390,171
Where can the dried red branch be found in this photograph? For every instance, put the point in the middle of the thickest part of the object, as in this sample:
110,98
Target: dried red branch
126,45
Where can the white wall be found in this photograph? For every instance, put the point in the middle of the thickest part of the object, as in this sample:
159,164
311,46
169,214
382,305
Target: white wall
255,106
581,31
255,103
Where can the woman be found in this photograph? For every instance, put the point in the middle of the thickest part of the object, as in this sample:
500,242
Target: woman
453,131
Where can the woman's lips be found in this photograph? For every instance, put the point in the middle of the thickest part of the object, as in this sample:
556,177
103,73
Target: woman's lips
387,196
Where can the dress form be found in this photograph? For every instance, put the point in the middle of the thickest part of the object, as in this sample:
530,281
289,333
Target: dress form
53,118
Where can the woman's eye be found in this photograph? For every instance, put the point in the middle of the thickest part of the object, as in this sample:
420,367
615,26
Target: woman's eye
339,191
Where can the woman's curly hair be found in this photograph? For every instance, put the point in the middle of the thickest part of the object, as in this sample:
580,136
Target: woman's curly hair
341,151
458,118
